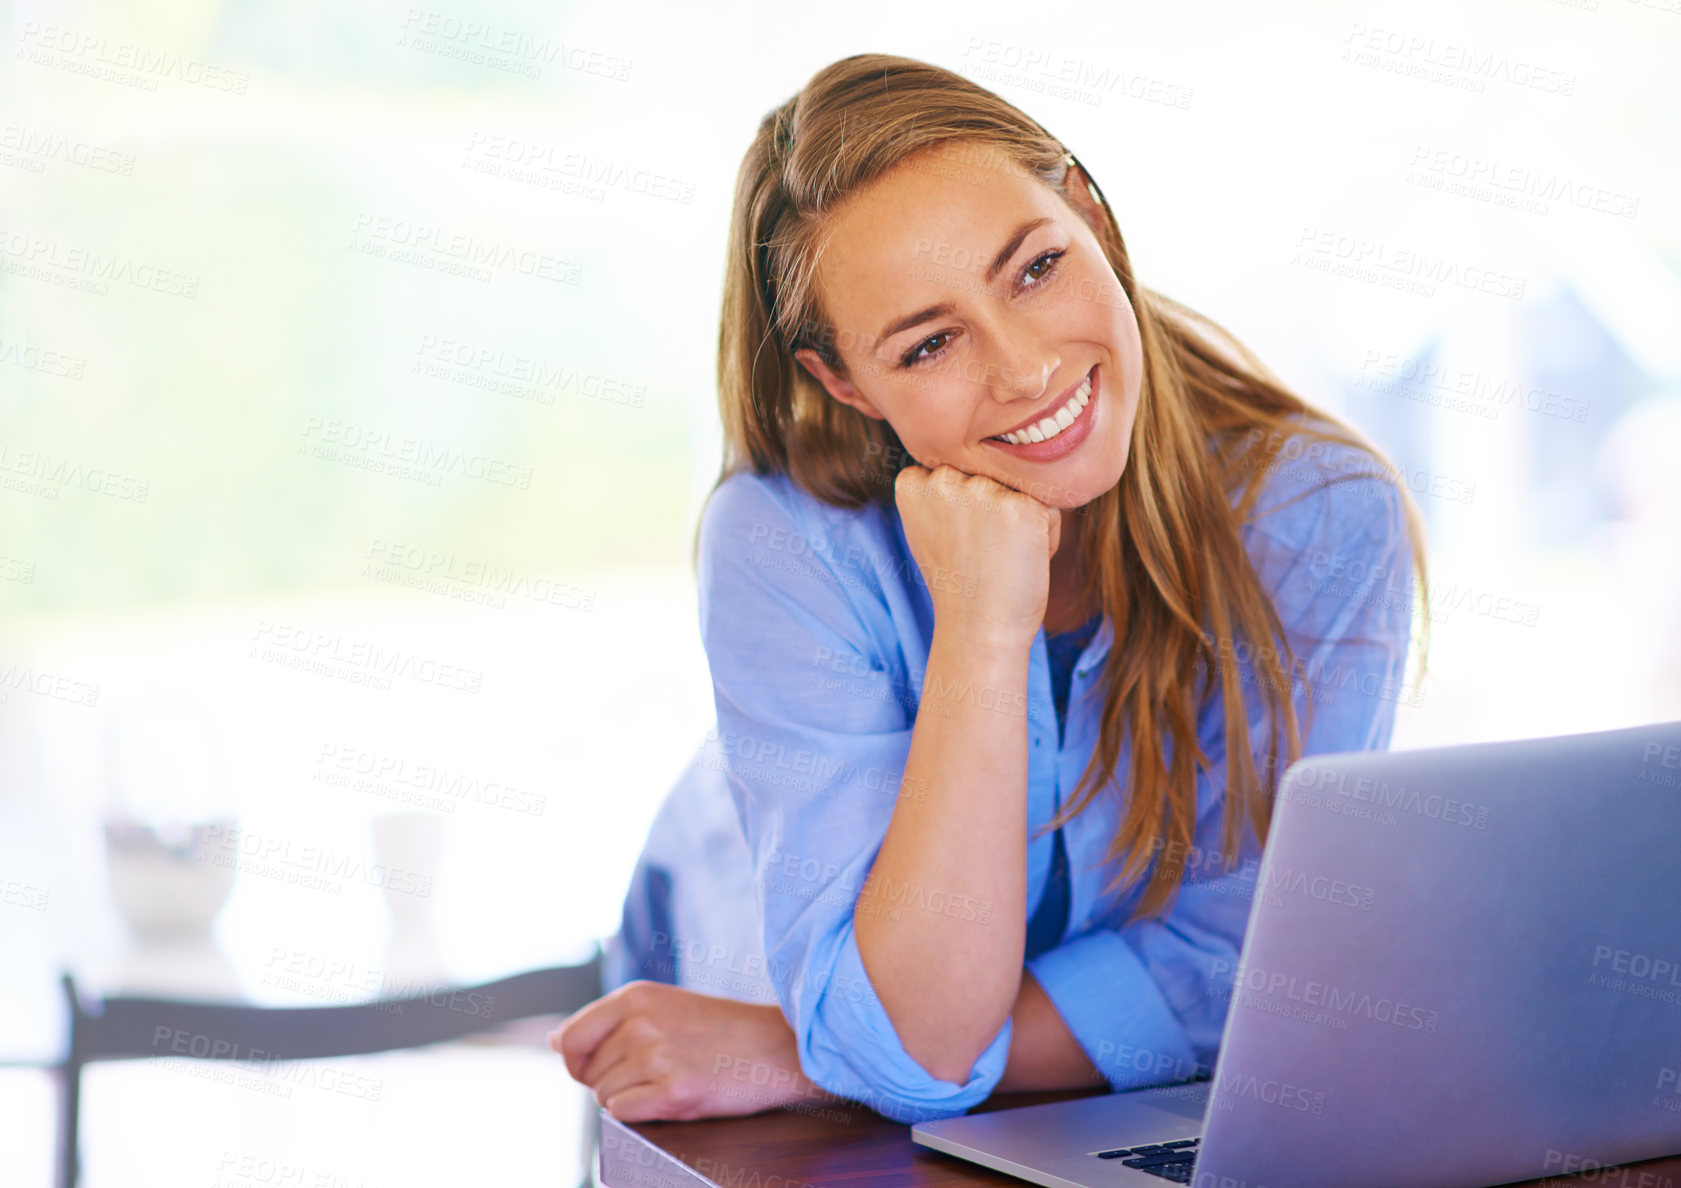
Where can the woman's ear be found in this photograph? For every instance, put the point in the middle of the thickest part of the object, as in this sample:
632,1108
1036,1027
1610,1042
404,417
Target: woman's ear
837,386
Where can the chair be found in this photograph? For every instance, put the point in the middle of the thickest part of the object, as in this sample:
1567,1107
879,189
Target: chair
127,1028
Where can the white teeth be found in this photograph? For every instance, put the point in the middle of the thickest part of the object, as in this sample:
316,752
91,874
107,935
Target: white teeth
1050,426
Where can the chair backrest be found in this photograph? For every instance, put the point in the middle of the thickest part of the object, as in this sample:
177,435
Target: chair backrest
133,1027
130,1027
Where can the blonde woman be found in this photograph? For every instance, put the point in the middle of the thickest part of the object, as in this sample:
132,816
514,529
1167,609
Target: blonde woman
1020,587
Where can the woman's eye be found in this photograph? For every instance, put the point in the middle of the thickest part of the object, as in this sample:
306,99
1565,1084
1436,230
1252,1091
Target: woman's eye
1045,263
915,356
1048,260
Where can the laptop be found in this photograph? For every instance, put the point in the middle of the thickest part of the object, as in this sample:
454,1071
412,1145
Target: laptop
1499,1000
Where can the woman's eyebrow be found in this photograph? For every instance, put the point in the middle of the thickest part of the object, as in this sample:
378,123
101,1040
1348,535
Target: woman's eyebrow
944,307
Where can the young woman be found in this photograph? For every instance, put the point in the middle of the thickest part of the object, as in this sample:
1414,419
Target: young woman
1020,588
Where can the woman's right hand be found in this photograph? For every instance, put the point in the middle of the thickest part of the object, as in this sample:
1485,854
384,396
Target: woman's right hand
984,550
650,1051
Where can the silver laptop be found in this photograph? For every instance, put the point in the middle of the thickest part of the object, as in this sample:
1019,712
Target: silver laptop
1500,1001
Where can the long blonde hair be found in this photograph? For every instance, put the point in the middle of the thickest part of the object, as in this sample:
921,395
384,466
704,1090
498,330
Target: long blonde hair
1165,556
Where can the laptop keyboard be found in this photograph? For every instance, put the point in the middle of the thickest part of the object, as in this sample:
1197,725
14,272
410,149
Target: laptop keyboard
1171,1161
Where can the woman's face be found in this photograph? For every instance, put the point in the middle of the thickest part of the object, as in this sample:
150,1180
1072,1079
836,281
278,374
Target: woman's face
970,300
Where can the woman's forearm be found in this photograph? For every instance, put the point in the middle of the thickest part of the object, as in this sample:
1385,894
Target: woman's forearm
940,922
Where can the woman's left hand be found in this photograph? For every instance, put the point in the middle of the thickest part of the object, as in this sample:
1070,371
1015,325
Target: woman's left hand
653,1051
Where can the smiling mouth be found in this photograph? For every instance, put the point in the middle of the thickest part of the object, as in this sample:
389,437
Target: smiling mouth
1047,427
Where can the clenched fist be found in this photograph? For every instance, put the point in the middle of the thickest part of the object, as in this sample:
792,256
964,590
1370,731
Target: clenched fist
650,1051
984,550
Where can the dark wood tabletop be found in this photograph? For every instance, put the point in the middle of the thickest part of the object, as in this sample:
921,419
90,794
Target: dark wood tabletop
841,1144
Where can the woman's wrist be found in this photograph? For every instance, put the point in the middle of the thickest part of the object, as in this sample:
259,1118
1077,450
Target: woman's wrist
779,1038
979,640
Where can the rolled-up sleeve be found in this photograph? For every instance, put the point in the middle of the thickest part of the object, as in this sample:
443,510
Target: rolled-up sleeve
1147,1002
815,727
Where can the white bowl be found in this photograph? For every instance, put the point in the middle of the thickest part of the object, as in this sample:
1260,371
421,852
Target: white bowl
168,882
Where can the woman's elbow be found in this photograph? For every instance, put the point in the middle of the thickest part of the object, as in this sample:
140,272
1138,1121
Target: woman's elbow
948,1063
952,1054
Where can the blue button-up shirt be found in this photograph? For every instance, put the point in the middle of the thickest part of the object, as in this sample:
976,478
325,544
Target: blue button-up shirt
817,624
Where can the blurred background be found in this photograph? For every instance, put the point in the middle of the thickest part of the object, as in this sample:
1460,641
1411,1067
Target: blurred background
357,405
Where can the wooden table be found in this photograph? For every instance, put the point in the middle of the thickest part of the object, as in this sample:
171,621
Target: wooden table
851,1145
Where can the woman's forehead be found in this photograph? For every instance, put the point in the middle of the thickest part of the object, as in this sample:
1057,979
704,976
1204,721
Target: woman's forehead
914,230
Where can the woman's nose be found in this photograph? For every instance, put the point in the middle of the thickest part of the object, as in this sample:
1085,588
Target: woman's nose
1018,371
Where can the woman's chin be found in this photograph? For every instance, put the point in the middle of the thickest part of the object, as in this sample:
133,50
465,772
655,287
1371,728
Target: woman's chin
1068,492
